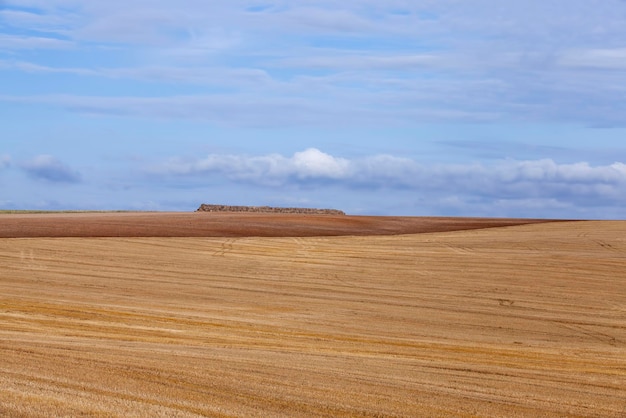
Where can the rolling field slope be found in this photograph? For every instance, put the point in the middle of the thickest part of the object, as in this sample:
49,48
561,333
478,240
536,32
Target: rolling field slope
522,320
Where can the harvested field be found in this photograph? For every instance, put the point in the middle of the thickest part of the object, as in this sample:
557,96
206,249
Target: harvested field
523,320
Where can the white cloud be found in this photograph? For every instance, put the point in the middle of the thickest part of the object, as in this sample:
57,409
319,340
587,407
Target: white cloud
270,170
312,163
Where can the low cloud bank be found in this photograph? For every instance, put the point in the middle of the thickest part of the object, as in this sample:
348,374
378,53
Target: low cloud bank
506,180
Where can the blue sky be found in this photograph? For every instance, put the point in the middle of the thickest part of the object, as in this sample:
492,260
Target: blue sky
448,107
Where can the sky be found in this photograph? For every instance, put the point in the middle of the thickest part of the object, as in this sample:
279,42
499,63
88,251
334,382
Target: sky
422,108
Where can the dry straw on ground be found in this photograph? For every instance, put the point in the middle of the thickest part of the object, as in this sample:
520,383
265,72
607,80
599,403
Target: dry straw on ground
526,320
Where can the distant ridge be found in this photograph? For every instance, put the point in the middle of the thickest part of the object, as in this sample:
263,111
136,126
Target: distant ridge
267,209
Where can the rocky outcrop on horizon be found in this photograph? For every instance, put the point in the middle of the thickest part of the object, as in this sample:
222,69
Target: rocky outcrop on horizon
267,209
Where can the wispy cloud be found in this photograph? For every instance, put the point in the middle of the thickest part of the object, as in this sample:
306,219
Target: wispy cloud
50,169
397,61
16,42
208,76
46,21
241,109
372,62
257,98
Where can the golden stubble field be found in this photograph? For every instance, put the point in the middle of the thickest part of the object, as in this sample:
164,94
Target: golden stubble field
525,320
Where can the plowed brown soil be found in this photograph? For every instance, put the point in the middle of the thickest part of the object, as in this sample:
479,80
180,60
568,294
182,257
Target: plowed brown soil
526,320
225,224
